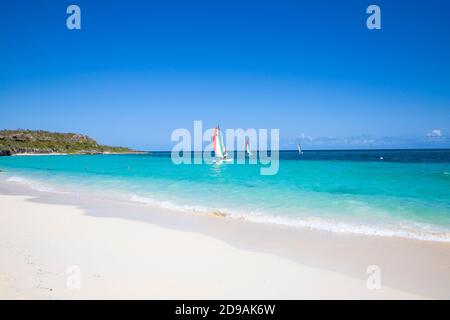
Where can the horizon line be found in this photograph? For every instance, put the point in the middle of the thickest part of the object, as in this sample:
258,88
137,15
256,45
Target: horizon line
303,150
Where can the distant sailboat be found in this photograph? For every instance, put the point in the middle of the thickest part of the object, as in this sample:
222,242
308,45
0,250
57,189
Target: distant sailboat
247,148
299,149
219,147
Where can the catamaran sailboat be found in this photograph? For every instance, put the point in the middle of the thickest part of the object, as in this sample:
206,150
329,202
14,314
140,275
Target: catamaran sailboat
247,148
299,149
219,147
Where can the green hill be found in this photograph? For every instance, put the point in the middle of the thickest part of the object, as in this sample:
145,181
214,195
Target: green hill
38,142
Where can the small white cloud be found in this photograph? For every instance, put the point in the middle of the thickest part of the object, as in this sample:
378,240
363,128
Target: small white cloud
305,137
435,133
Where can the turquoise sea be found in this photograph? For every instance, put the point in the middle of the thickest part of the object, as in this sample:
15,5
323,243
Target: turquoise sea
404,194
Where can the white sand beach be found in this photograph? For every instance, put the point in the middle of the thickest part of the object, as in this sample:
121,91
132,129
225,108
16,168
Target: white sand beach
125,250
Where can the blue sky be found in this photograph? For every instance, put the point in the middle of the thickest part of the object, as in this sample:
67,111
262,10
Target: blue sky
139,69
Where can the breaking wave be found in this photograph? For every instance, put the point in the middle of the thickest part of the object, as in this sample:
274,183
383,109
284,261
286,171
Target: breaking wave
406,230
34,184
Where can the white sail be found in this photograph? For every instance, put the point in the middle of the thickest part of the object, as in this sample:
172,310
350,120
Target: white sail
299,149
222,146
247,148
219,148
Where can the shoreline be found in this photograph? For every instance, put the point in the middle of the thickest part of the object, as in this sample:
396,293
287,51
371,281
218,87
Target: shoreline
73,154
337,262
420,232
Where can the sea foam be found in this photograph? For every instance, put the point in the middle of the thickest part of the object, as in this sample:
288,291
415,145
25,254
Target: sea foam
406,230
417,231
34,184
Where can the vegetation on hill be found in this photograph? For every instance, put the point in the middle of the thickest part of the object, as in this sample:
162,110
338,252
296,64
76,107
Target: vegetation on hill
30,141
